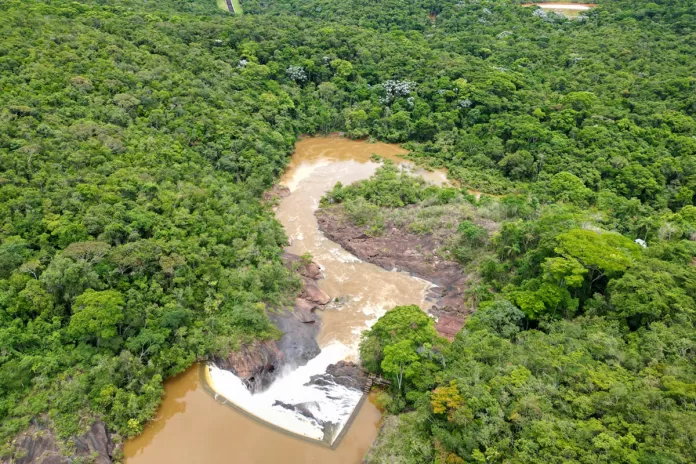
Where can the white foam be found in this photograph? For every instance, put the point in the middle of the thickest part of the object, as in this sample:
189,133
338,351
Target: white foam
328,403
343,256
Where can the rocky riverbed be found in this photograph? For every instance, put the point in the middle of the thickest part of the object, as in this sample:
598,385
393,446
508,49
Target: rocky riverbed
416,254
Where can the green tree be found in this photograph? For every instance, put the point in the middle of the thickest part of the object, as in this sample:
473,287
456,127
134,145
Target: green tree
567,187
400,360
97,315
653,290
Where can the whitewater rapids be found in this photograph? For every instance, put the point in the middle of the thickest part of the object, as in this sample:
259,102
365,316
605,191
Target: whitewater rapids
330,406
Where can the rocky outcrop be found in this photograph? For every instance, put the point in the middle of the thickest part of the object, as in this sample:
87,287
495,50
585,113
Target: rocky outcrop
302,266
255,364
276,193
258,364
344,373
39,445
312,293
304,409
449,326
399,249
299,341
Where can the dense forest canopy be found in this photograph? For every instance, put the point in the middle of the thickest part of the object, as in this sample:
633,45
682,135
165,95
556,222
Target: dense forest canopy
136,139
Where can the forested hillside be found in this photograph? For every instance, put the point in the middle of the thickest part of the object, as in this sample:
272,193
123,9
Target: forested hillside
136,139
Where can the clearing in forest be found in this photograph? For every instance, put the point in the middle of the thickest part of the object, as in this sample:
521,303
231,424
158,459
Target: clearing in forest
233,6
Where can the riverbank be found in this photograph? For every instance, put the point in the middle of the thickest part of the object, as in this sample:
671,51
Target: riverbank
260,363
357,293
398,249
192,426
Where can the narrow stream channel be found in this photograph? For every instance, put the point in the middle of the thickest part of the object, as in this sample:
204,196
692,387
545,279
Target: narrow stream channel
192,427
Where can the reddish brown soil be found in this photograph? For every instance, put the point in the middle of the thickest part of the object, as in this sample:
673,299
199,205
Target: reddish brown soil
408,252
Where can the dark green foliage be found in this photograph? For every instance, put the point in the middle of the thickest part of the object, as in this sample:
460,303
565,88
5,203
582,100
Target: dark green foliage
132,240
500,317
136,138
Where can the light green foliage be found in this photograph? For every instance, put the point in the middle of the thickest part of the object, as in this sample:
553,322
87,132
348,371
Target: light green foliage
601,254
401,323
565,271
342,68
403,345
567,187
389,187
654,290
400,360
97,315
471,233
363,213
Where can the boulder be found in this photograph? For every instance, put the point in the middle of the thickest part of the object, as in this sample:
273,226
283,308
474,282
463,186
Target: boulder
299,341
344,373
310,270
276,193
256,364
304,311
96,442
313,293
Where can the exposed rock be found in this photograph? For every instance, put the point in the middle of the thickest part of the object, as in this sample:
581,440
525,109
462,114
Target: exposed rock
39,445
345,373
449,326
255,364
311,270
305,409
276,193
304,311
408,252
96,442
338,302
313,293
260,363
305,305
301,408
299,341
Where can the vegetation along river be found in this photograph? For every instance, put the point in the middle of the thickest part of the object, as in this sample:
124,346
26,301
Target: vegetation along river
191,414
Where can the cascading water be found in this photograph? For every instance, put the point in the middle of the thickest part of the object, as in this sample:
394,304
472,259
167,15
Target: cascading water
366,292
291,402
213,433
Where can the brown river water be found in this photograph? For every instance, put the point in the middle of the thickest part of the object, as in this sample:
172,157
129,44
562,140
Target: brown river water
192,427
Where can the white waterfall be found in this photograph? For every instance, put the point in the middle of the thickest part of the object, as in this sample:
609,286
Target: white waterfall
331,403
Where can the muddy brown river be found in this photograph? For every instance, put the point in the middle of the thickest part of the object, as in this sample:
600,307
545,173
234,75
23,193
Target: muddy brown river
192,426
